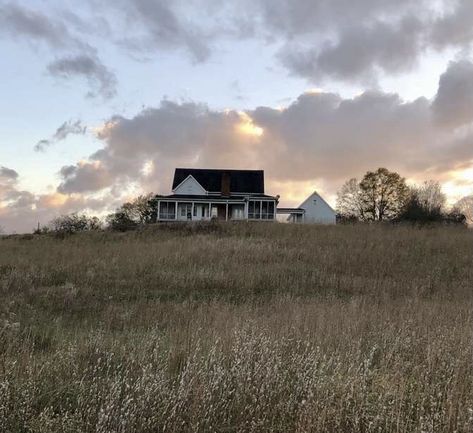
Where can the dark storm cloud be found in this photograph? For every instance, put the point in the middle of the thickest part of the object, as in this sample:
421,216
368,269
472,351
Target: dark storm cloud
67,128
101,80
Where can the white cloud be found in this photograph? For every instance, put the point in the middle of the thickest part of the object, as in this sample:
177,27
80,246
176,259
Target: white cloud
319,135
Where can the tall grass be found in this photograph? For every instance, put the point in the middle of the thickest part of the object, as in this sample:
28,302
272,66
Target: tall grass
238,328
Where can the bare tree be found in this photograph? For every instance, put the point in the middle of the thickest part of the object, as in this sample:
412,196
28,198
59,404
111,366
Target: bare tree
465,207
349,200
430,197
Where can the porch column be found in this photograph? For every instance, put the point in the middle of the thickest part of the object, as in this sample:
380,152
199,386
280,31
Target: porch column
157,213
192,214
226,212
175,215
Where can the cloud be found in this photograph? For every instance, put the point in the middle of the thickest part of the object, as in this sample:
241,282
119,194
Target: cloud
359,53
318,136
357,41
317,40
307,17
67,128
172,133
453,104
316,142
21,210
157,25
22,23
454,28
102,81
7,175
55,32
84,177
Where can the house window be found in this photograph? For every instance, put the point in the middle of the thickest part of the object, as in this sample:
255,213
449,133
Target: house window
270,214
261,209
167,210
264,210
251,209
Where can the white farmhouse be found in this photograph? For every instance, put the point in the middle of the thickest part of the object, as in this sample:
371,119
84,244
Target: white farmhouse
204,194
313,210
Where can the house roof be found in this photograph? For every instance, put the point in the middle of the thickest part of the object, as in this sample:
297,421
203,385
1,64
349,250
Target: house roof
241,181
320,197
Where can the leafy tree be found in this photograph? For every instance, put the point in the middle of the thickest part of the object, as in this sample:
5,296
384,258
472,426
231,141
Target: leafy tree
120,221
139,211
464,206
381,195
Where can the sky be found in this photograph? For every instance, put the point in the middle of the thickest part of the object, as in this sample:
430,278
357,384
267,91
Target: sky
100,101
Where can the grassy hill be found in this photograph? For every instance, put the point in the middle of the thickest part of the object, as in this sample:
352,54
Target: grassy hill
238,328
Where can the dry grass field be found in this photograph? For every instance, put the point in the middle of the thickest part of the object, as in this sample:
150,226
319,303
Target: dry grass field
238,328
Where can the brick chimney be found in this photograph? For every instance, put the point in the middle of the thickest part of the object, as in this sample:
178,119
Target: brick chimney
225,189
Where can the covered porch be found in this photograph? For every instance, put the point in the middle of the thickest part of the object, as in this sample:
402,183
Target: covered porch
198,210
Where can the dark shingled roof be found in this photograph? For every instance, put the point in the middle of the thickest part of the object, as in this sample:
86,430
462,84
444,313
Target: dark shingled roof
251,181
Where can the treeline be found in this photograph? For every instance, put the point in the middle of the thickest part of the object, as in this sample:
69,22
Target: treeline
129,216
383,195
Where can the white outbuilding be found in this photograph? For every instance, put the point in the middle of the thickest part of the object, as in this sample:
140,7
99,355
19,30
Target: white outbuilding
314,210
